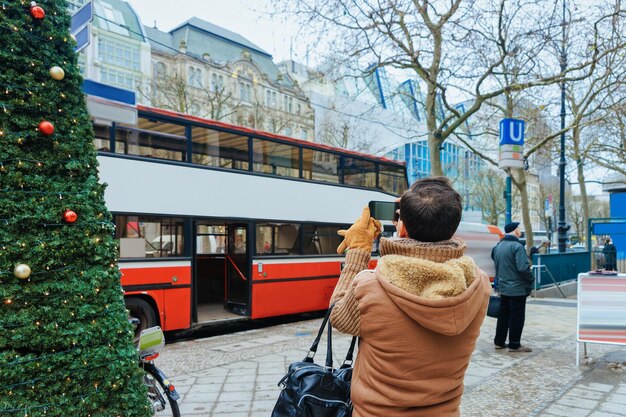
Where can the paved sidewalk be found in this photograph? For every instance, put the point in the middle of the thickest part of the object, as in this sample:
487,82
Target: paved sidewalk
236,375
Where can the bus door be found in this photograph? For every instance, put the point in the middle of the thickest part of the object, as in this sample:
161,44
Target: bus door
209,282
237,260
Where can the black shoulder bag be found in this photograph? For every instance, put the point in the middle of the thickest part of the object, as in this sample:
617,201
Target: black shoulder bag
312,390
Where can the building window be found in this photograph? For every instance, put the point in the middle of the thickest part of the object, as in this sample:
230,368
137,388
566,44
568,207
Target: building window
116,77
110,19
217,82
274,99
195,77
159,69
285,100
245,92
288,131
290,105
303,134
121,54
268,98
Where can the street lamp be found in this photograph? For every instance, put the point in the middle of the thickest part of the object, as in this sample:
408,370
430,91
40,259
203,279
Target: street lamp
562,226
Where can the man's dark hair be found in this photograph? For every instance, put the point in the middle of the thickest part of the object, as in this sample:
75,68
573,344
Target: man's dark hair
431,209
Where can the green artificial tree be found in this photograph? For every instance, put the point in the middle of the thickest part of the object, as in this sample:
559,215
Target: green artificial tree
65,342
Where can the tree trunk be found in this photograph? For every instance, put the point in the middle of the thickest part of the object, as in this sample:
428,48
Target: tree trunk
521,184
584,201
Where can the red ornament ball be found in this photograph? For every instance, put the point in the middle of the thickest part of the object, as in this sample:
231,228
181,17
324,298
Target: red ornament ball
37,11
69,216
46,128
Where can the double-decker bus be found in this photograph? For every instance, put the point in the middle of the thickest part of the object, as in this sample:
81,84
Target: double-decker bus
219,222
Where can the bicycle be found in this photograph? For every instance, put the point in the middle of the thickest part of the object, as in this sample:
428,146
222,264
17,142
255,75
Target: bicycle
161,392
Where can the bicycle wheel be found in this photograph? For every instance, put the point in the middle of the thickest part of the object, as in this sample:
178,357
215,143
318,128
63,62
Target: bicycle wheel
162,405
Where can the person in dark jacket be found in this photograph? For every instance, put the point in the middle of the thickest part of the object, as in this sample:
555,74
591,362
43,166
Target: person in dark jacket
610,256
515,283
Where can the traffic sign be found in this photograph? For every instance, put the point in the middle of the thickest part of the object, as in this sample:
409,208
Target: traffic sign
80,26
511,132
82,39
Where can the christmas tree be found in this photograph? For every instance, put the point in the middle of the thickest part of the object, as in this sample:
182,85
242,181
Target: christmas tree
65,341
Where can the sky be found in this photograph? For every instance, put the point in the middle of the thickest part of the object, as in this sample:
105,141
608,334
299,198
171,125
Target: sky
249,18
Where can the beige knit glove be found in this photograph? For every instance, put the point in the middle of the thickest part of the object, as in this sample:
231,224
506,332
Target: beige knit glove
361,234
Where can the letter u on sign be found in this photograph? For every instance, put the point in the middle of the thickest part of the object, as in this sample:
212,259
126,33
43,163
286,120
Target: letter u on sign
511,132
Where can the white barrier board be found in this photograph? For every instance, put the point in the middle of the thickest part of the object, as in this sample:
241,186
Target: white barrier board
601,309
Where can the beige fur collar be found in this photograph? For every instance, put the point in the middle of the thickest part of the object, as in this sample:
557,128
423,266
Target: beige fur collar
434,251
429,270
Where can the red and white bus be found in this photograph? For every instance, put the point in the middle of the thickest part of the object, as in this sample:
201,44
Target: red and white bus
219,222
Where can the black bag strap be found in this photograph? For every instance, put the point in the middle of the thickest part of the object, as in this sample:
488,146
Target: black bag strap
313,349
347,362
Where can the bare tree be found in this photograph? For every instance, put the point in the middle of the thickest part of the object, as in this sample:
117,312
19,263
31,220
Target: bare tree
456,48
487,195
172,91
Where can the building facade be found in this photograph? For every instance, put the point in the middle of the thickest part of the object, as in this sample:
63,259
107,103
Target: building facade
196,68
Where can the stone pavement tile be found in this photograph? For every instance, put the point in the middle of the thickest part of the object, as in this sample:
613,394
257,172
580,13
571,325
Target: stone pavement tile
242,386
471,381
621,389
206,388
581,393
240,378
264,405
236,396
567,411
233,347
570,400
266,395
221,408
610,407
241,365
596,386
601,414
213,380
271,385
201,397
618,398
221,414
188,408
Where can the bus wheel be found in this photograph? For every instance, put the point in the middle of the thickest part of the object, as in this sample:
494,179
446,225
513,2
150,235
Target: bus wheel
140,309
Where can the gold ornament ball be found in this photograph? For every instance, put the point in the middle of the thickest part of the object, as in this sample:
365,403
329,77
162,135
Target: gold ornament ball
22,271
57,73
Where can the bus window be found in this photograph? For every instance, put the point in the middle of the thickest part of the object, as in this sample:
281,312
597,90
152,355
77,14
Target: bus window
152,139
219,149
359,172
101,137
320,165
321,239
276,158
277,239
210,239
149,236
392,179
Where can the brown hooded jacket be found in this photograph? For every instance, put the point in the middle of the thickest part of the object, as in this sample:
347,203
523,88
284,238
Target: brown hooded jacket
418,315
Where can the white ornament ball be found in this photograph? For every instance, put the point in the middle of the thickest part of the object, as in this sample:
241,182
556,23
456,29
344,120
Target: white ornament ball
57,73
22,271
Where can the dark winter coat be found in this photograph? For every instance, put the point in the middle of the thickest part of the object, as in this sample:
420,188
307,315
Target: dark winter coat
512,267
610,256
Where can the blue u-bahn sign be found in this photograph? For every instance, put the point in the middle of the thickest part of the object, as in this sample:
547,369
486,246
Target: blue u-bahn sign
511,132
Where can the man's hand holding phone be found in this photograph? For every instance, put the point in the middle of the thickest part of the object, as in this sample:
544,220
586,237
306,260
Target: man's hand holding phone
361,234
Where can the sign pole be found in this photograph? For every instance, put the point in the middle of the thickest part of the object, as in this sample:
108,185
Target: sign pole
509,197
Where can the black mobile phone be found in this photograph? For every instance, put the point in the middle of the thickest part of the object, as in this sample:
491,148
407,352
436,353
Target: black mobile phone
383,210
